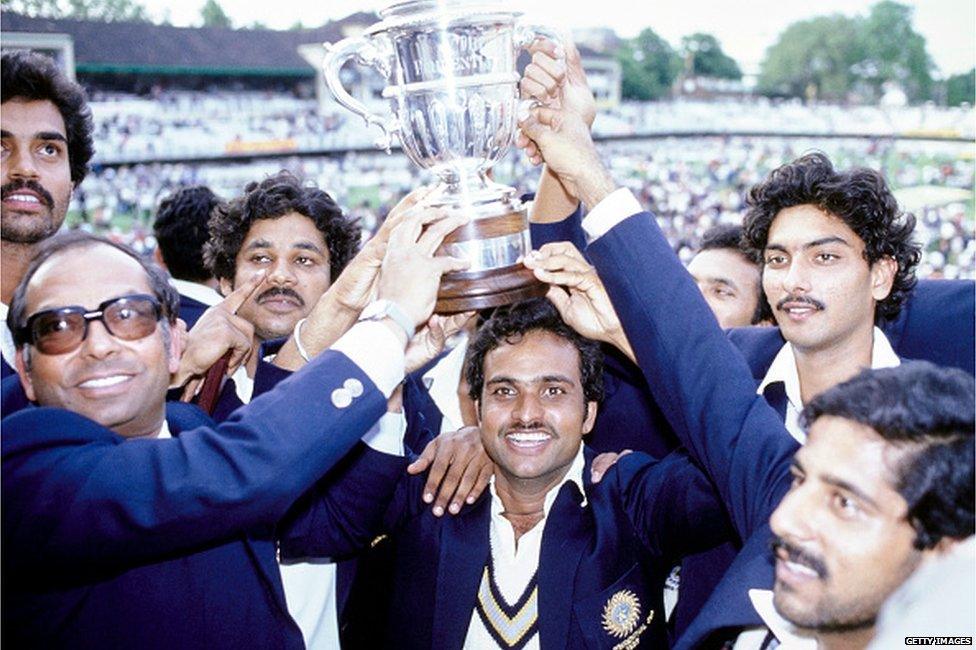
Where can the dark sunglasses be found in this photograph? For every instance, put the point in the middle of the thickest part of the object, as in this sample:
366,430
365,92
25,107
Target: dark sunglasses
57,331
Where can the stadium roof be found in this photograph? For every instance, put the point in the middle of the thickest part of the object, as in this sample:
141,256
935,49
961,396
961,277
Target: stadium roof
144,48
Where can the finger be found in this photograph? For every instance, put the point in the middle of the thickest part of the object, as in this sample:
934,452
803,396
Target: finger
396,215
408,232
484,475
560,248
456,322
190,389
560,300
464,487
447,264
573,279
434,236
241,294
532,88
438,469
449,486
543,44
423,461
547,117
551,67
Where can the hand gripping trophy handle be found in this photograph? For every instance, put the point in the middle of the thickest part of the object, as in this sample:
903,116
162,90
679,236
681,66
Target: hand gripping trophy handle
367,52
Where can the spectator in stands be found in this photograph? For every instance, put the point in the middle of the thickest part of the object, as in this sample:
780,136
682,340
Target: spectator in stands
181,230
728,278
46,129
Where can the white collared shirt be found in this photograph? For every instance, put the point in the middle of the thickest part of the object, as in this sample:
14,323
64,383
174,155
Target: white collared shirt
196,291
442,382
783,369
309,585
516,563
7,348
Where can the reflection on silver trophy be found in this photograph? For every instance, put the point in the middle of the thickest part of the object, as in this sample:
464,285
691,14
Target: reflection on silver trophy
453,90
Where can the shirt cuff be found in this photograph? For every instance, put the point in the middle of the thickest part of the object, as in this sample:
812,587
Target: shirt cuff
386,436
614,208
377,351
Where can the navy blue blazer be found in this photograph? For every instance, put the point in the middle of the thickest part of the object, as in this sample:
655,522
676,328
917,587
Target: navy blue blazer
191,310
169,543
708,395
636,522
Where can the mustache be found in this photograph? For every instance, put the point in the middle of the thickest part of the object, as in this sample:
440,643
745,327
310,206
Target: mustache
533,425
807,300
14,186
799,556
280,291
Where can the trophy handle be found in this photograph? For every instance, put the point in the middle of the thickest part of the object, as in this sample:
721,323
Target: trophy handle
367,52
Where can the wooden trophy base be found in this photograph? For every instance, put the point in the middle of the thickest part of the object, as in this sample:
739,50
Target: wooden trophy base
473,291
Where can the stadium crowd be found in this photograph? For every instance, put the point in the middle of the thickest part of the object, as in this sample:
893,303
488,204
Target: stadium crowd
251,429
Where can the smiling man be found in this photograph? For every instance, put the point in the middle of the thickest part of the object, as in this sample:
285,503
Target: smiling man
46,131
727,277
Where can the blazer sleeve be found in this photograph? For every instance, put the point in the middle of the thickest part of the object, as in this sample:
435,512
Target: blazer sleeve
701,382
76,492
344,512
672,505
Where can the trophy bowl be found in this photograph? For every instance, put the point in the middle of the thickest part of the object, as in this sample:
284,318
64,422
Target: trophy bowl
452,87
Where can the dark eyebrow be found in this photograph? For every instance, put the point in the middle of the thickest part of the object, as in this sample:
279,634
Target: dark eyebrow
308,246
826,240
848,487
817,242
726,281
258,243
50,135
544,379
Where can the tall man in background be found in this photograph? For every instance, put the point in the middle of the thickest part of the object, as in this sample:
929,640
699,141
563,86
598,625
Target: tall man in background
46,131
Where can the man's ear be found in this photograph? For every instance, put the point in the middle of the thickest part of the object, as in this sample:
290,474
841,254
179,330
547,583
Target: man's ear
224,286
24,374
177,343
883,277
589,417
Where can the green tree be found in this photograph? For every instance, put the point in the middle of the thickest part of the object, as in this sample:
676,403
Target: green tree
813,58
649,65
101,10
961,88
894,51
704,57
213,15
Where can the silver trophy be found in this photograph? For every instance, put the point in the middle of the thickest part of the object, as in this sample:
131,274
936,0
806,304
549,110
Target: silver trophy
453,90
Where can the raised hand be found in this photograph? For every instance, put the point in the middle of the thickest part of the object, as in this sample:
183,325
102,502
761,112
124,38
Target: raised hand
218,330
432,337
411,274
578,293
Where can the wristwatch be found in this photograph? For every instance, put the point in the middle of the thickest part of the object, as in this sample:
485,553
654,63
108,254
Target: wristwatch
380,309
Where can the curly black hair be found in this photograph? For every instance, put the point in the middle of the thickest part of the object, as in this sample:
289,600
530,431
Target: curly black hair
509,324
29,76
275,197
928,411
181,231
859,196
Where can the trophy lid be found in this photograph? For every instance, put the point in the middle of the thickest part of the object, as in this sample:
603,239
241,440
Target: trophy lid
414,12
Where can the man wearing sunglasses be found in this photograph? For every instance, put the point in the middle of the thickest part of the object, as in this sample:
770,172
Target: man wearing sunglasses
46,131
130,522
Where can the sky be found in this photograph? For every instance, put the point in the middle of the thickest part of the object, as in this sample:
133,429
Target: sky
745,28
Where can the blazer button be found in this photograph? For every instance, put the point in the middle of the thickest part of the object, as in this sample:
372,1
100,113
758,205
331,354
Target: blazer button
341,398
354,386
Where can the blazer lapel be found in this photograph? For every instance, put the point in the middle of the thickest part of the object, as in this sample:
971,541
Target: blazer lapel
563,542
463,554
